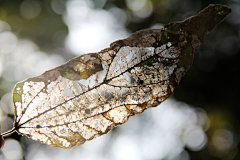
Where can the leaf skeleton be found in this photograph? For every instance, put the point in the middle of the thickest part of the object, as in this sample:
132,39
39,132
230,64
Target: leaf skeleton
92,93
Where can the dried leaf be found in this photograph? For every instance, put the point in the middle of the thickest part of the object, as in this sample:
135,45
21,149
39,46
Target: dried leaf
90,94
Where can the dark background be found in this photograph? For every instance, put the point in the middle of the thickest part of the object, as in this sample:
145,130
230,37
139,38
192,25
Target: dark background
212,83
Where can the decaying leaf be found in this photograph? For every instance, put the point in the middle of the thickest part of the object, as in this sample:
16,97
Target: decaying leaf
90,94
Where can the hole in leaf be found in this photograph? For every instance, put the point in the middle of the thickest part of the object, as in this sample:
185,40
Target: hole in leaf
87,111
141,82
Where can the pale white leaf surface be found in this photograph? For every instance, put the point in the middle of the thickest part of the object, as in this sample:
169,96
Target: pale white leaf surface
90,94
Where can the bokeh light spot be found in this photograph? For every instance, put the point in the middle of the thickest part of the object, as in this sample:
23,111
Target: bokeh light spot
222,140
8,41
58,6
30,9
126,148
135,4
4,26
195,139
12,149
145,11
91,30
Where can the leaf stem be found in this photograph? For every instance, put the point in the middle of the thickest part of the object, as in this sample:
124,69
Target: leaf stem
8,132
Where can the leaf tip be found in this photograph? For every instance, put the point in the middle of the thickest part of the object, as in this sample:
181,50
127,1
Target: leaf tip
222,9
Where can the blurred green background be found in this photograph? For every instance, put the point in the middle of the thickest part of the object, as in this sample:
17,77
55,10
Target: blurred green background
36,35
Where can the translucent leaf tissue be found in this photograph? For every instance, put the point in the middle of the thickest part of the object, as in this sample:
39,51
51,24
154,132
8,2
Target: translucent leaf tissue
90,94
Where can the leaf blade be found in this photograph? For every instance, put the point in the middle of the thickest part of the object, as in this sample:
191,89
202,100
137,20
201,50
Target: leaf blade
90,94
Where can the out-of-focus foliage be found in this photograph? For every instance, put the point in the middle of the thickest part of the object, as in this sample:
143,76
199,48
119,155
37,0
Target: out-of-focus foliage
39,35
39,21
